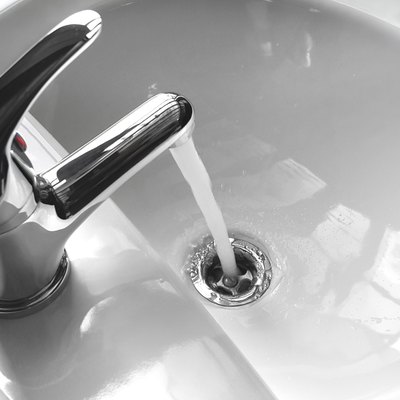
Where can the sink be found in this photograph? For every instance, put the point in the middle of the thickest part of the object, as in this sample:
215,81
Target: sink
296,120
297,125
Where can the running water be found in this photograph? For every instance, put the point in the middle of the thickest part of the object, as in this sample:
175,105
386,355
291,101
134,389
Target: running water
196,175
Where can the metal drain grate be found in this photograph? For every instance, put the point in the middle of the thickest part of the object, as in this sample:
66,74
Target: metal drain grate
209,280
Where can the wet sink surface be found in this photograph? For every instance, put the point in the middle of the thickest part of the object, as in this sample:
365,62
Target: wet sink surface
297,118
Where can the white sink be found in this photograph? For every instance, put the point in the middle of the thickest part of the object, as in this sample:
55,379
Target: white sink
297,117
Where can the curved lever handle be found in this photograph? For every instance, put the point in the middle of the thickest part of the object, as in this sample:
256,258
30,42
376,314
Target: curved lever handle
92,173
23,82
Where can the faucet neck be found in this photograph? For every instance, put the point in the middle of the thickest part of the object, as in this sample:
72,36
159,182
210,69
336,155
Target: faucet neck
92,173
21,85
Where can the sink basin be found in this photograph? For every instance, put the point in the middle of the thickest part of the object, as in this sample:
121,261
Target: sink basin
297,116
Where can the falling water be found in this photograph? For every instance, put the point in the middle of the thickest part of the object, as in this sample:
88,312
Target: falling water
196,175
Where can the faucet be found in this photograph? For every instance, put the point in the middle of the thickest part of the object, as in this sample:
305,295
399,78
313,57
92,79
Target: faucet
38,212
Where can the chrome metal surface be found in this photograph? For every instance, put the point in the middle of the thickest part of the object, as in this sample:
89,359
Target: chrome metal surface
38,213
20,86
28,279
90,174
207,276
24,306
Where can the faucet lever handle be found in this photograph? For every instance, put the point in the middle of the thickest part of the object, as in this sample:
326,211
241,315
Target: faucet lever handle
24,81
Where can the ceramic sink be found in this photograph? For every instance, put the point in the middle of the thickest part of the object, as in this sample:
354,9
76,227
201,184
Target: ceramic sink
296,121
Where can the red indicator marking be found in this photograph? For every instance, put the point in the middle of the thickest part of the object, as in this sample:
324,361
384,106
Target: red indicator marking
20,142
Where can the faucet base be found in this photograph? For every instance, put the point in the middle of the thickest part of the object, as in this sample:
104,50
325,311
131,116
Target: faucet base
31,304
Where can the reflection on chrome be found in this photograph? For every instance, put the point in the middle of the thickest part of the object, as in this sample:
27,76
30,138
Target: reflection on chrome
342,233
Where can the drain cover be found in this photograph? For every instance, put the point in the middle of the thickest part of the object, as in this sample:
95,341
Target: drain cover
209,280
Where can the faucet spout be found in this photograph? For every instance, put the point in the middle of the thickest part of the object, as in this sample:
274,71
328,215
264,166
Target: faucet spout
92,173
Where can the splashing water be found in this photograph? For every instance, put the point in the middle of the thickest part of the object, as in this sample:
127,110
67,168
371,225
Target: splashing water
196,175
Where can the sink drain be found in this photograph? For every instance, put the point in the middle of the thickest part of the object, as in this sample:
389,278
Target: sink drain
209,280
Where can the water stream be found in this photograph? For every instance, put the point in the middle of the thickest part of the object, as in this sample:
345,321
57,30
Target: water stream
196,175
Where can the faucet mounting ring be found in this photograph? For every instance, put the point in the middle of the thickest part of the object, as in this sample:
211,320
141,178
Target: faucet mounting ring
28,305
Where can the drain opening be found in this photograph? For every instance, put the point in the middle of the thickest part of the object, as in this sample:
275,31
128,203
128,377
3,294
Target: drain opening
209,280
233,286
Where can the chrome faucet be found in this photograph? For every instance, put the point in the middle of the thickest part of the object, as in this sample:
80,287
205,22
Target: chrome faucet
38,212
